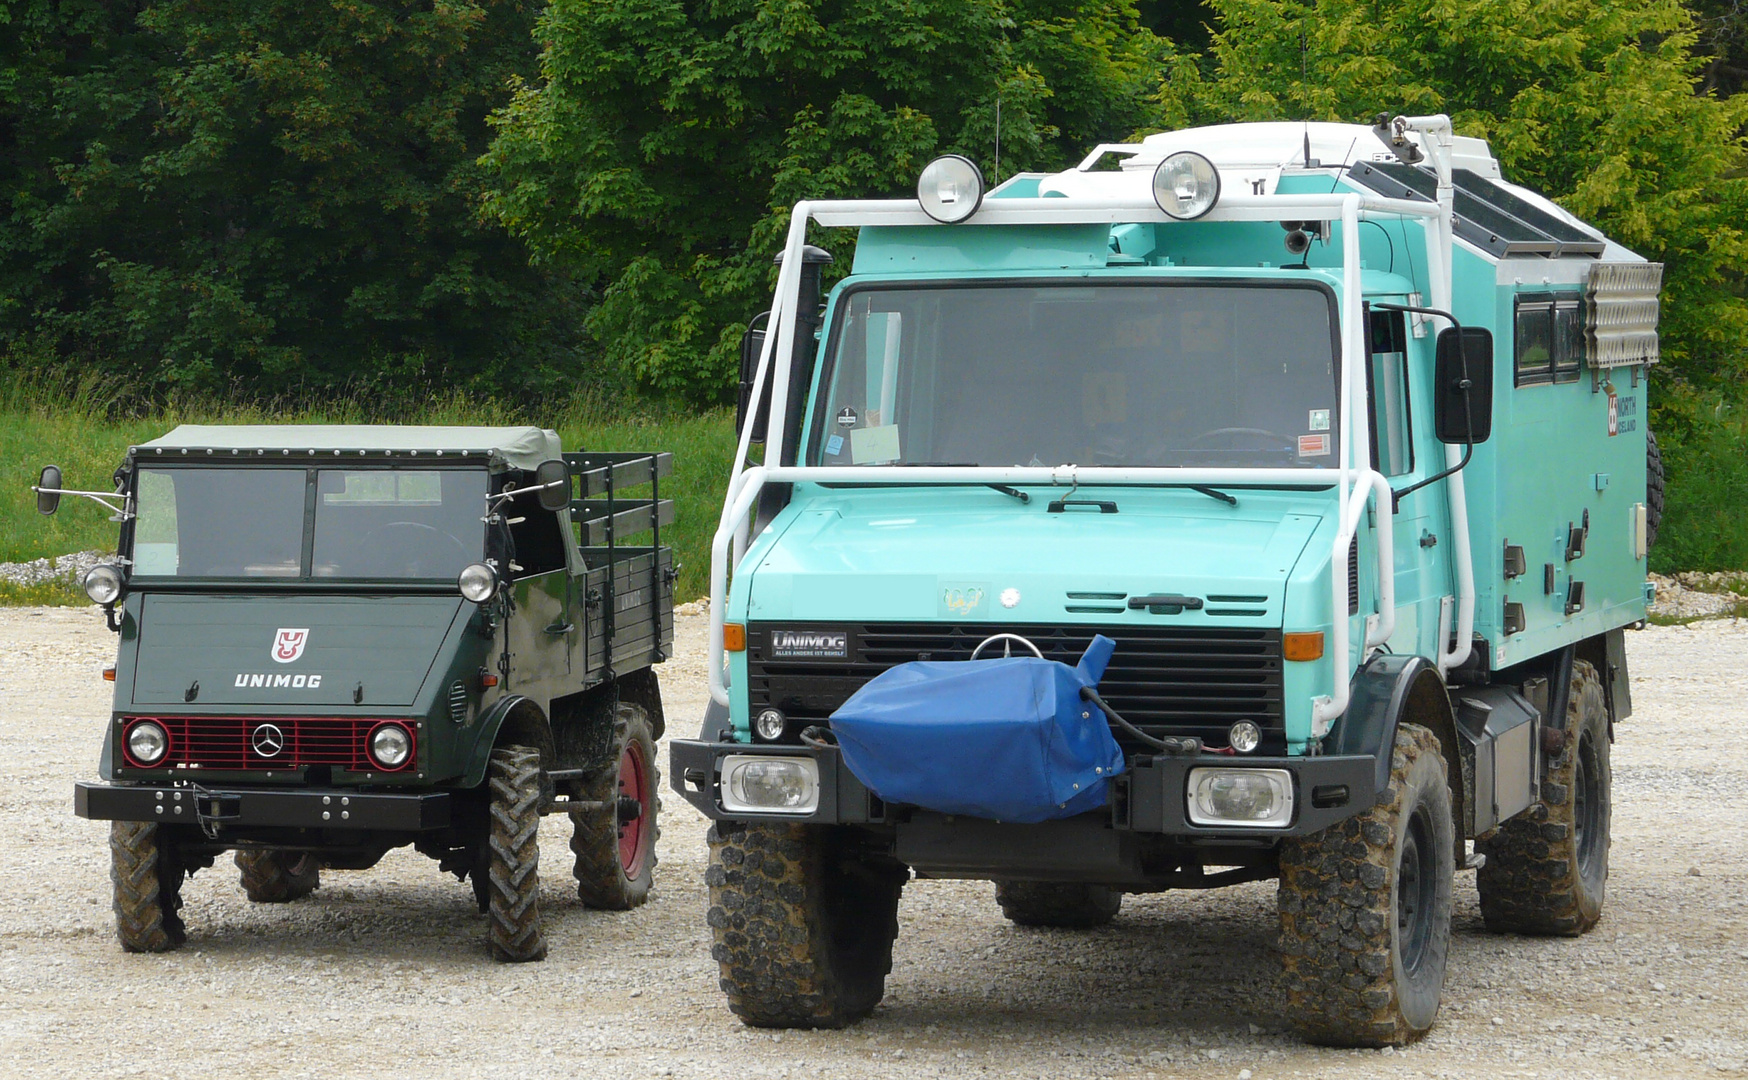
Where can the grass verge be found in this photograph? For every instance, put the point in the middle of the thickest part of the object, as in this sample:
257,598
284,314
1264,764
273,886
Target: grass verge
71,424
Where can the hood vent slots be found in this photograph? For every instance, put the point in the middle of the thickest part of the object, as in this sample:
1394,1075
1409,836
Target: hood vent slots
1112,602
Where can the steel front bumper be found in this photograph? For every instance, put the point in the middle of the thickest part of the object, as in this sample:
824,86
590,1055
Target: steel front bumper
256,807
1147,798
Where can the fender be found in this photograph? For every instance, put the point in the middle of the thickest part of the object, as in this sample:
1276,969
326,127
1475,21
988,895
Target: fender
515,719
1386,690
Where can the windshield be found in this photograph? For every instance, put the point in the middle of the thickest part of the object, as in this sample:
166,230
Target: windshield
255,523
1134,374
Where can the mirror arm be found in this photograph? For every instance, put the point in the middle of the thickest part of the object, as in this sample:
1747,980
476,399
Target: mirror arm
1468,452
101,498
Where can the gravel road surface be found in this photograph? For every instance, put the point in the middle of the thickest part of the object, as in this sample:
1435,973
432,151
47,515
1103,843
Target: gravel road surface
386,971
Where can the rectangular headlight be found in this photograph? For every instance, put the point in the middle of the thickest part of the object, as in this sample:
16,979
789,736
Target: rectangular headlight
770,785
1248,798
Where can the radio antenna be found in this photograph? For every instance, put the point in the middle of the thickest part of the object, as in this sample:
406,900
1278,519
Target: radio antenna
997,138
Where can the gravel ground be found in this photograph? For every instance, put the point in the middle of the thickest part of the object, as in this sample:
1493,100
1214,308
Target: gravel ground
388,966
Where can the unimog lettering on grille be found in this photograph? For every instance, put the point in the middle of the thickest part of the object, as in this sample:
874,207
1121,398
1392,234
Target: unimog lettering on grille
485,611
1305,463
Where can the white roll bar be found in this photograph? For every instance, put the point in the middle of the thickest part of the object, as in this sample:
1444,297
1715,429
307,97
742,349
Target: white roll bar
1357,484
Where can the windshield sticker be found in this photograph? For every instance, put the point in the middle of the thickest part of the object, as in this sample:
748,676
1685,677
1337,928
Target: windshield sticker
1313,446
810,645
847,417
288,644
834,445
874,445
1319,420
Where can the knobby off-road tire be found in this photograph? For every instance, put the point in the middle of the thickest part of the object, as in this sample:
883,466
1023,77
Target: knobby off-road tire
1060,904
1653,488
148,887
513,855
616,856
803,926
1547,869
1365,909
276,877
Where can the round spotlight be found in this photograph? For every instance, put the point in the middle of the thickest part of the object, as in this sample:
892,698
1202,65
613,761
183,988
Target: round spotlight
1245,736
769,725
147,742
1186,185
478,583
950,189
391,745
103,584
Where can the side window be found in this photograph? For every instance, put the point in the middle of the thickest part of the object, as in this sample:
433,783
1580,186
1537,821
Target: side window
1387,379
539,539
1549,339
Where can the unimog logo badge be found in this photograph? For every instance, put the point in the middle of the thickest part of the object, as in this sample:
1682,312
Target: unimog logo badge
809,645
267,740
288,644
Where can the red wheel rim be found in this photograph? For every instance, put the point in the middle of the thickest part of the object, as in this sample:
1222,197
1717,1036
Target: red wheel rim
633,782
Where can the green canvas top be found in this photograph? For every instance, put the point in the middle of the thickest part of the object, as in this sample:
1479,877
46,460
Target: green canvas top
519,447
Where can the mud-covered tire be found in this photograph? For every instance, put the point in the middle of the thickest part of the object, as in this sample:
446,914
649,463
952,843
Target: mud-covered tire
1365,909
277,877
803,924
513,855
1547,869
1065,905
1654,488
615,854
147,876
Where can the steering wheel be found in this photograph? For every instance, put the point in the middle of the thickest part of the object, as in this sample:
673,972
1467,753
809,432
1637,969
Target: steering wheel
1286,441
422,543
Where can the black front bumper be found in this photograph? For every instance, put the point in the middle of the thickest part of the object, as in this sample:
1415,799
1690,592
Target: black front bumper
263,807
1148,798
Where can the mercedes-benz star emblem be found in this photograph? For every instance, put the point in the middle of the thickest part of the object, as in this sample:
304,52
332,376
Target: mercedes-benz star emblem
267,740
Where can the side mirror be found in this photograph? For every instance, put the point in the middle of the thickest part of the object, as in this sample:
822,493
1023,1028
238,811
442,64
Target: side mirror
751,343
47,502
554,480
1463,386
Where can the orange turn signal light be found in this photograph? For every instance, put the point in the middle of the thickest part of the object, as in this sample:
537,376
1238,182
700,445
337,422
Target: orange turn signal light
108,674
734,637
1302,646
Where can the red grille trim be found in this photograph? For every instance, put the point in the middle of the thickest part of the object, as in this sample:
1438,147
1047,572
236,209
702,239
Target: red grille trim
228,742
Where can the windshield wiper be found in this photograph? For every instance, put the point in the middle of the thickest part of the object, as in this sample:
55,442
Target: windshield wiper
1005,489
1215,493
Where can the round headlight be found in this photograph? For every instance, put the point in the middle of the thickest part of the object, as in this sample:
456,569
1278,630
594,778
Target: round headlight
950,189
1245,736
103,584
478,583
1186,185
769,725
391,745
147,742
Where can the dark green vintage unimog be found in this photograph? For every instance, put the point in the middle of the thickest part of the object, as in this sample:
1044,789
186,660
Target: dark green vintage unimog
340,640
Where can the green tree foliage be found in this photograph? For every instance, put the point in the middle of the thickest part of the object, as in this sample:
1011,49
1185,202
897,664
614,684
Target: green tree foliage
665,140
1591,102
268,193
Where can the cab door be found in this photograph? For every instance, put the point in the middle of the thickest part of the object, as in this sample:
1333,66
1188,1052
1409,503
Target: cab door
1398,386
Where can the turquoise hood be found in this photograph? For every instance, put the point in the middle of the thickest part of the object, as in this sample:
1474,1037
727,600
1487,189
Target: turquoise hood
973,554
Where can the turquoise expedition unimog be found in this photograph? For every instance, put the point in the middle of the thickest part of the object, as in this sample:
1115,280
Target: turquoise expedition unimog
1336,434
340,640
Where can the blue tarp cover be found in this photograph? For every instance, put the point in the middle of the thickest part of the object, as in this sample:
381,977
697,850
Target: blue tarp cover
1008,739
